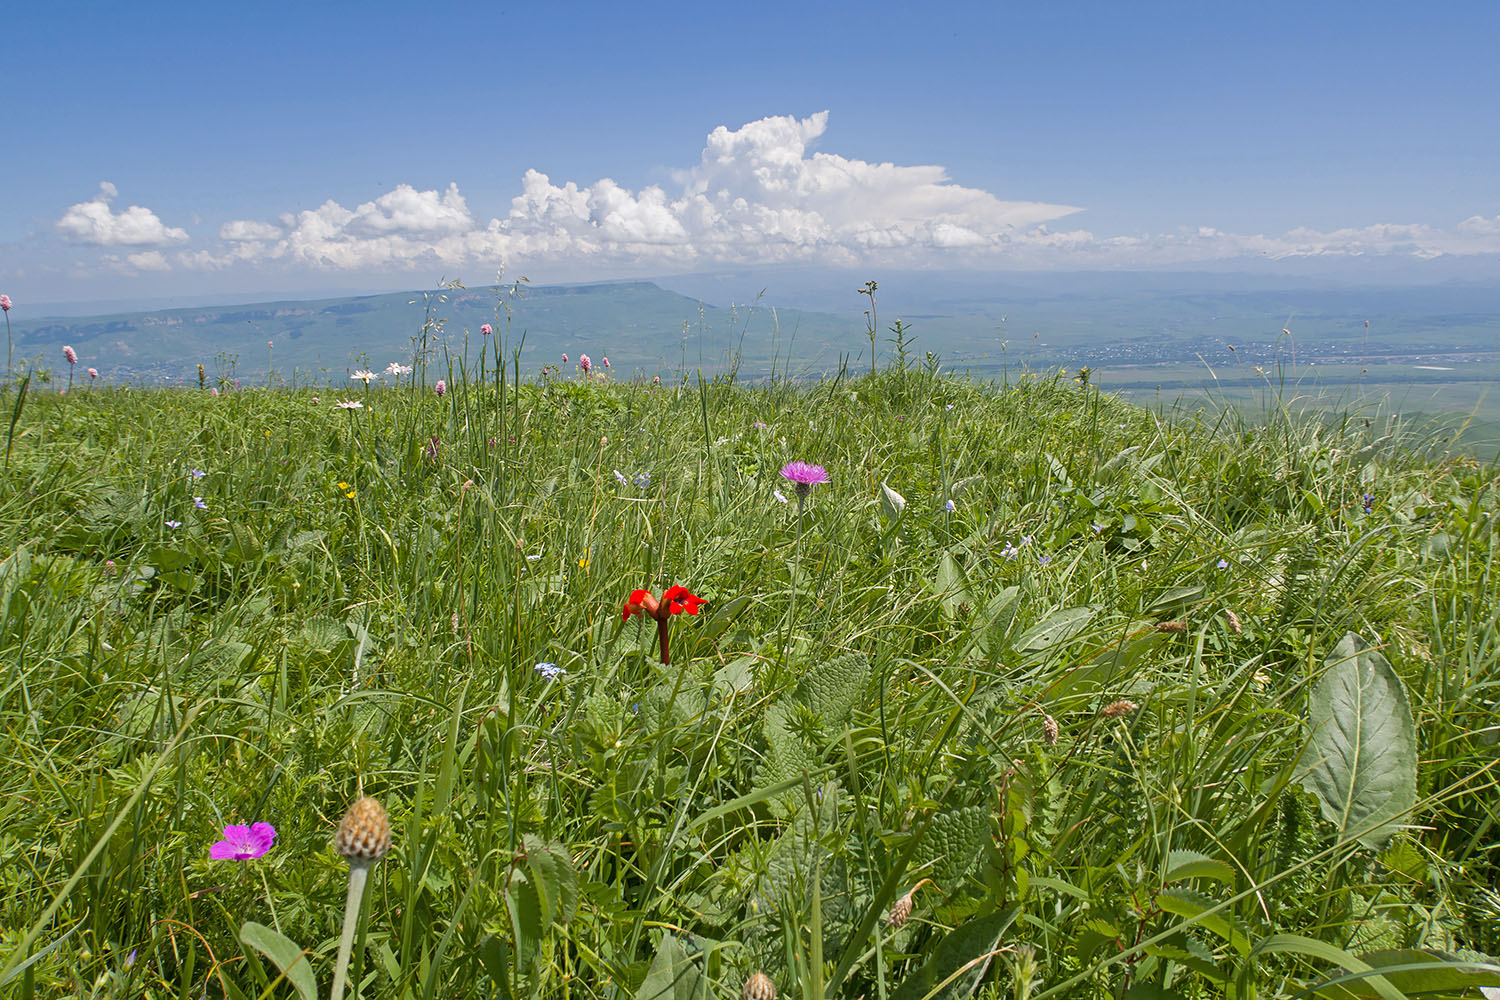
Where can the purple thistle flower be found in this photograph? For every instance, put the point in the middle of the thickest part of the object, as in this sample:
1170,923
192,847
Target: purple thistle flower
804,476
244,843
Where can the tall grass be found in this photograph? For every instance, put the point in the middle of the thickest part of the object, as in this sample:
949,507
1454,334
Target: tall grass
361,603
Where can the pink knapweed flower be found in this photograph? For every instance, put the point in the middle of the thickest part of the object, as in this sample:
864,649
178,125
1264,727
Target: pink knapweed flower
804,476
244,843
486,330
93,373
584,363
440,388
70,354
5,302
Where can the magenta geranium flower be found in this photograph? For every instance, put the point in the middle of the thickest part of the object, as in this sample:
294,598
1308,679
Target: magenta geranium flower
244,843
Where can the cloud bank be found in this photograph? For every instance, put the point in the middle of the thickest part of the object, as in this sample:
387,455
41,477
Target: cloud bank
93,222
759,194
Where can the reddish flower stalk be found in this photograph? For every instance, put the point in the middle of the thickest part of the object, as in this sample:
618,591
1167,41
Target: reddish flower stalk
674,601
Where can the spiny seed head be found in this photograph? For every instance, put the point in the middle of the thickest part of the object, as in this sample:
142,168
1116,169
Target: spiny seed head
1115,709
365,832
760,987
1234,622
1175,628
1049,730
900,912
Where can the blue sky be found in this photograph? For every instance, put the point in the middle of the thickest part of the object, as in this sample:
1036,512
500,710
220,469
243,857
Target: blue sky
187,149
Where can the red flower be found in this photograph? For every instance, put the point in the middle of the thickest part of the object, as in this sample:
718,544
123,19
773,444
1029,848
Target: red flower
678,600
674,601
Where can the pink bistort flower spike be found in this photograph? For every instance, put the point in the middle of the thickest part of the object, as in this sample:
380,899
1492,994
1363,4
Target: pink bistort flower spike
486,330
5,302
565,357
70,354
93,373
440,388
604,361
584,363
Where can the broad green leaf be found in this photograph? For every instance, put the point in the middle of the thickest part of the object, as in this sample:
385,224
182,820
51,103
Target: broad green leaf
832,689
1174,600
672,976
1055,629
289,958
1361,757
952,586
1195,906
891,503
1190,864
959,961
1414,972
953,844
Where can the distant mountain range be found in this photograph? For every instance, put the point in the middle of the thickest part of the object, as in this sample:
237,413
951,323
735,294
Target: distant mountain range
804,324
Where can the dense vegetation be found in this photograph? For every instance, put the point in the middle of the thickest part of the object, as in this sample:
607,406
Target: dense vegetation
1040,695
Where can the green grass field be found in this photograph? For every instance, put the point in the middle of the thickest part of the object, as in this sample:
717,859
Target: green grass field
1038,696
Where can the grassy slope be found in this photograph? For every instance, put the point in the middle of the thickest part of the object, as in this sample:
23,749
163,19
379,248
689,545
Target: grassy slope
349,610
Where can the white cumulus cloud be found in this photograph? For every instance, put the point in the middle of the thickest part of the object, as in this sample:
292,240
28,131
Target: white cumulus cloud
760,193
94,222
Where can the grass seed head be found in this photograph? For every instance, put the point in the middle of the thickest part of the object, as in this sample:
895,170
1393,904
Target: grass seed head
760,987
1174,628
1049,730
1115,709
1234,622
365,831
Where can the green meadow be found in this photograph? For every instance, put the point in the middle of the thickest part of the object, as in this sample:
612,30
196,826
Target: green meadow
1042,694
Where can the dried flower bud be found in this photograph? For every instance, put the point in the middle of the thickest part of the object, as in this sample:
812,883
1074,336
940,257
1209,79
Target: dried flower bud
453,623
900,912
1175,628
760,987
1049,730
1234,622
365,832
1115,709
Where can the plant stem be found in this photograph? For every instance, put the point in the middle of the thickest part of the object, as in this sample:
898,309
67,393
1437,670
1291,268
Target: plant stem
359,871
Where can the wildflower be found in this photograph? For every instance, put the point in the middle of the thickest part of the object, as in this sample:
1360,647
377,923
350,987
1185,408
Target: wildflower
197,473
565,357
584,363
440,388
604,361
1369,503
315,400
349,404
656,380
642,480
174,524
804,476
70,354
1043,560
550,671
759,987
109,566
1010,551
397,369
244,843
363,376
621,477
5,303
759,425
1115,709
948,407
780,497
198,502
215,391
950,506
486,330
1097,527
433,448
1025,540
93,374
675,600
1223,564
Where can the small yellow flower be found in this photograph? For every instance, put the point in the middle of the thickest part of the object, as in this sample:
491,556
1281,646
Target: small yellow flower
583,561
352,494
268,433
343,486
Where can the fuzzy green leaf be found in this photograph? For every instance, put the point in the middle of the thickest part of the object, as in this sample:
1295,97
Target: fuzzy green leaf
1361,757
959,962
